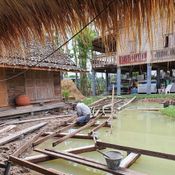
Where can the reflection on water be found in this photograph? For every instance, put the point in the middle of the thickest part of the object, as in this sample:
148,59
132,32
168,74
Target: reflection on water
141,129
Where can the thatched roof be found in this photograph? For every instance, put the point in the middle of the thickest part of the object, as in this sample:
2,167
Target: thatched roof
19,19
33,57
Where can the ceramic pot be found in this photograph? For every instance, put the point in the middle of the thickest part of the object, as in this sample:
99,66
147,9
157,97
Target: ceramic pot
22,100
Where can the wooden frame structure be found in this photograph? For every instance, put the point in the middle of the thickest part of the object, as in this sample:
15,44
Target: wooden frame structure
71,155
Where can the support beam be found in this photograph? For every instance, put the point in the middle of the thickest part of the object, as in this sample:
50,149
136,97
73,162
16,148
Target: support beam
53,134
149,78
42,157
127,103
8,128
40,119
90,123
34,167
158,78
98,127
136,150
118,81
77,136
107,82
18,134
88,162
93,82
27,144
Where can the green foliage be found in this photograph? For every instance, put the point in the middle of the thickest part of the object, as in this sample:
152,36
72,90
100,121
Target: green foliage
169,111
82,49
66,94
100,85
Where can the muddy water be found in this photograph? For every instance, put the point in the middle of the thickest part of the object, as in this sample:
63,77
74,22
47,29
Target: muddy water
141,129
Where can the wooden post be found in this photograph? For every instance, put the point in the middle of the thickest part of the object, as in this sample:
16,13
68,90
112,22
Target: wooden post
118,81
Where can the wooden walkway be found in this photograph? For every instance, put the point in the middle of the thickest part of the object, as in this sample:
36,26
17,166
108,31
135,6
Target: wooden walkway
30,109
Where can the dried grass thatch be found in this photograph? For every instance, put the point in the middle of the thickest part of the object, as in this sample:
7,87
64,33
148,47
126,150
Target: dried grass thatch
20,19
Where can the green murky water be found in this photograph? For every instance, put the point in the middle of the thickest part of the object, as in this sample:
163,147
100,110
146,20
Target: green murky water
141,129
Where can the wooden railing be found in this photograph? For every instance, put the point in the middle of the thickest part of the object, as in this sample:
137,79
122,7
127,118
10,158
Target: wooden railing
165,54
104,60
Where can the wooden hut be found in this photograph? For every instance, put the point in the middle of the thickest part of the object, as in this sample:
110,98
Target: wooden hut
32,74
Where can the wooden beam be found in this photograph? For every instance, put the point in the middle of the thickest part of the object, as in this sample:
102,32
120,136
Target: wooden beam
98,127
94,103
43,157
37,119
78,136
90,123
34,167
136,150
27,144
87,162
127,103
12,137
106,124
129,160
8,128
53,134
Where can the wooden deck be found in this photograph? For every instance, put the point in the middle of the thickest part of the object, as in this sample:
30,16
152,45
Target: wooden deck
30,109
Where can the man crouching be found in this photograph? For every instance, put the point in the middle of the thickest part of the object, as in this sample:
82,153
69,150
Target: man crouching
83,113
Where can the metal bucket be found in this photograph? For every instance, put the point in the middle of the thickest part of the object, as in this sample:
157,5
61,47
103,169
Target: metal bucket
114,159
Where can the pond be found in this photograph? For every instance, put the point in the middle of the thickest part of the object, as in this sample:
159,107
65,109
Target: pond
136,128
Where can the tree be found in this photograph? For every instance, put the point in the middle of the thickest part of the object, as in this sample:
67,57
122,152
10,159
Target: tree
82,48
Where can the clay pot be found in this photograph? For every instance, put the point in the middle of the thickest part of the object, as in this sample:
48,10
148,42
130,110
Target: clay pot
22,100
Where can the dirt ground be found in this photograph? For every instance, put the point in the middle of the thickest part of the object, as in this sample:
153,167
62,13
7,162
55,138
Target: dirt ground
10,148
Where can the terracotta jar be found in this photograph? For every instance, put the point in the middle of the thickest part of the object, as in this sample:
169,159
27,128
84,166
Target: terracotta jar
22,100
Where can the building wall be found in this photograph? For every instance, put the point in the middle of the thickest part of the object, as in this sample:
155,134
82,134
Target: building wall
38,85
15,86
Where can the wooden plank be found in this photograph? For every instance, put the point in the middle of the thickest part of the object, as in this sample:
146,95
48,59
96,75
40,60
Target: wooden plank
12,112
127,103
53,134
90,123
27,144
8,128
98,127
78,136
43,157
37,119
146,109
136,150
129,160
94,103
7,139
106,124
34,167
87,162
